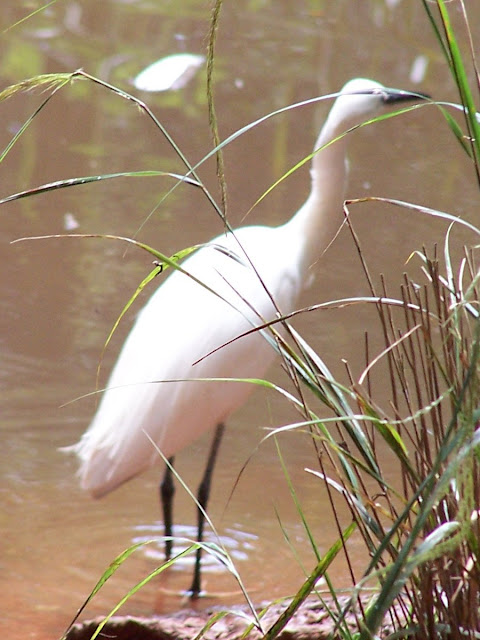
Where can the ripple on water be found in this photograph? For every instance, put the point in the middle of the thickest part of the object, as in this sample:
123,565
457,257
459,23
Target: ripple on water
236,542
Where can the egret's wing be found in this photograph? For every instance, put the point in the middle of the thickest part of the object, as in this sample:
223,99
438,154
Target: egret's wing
180,324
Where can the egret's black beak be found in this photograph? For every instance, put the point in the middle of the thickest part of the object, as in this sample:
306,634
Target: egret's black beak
391,97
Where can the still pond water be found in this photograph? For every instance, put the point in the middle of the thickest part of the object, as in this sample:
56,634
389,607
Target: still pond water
60,297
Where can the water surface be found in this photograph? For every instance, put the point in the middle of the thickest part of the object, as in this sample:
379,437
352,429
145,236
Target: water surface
60,297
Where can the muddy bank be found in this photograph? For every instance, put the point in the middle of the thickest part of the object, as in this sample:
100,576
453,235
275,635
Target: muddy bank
310,622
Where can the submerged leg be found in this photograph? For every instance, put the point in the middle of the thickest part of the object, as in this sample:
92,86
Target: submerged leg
167,490
202,497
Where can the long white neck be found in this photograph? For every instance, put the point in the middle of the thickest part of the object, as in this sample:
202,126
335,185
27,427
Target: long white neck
319,218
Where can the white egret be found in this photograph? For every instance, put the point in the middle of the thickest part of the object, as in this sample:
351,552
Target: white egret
183,321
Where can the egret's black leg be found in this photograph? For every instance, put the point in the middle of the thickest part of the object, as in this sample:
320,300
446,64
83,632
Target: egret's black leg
167,490
202,497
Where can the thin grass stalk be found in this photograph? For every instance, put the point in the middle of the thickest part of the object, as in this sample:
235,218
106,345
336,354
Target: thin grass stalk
212,115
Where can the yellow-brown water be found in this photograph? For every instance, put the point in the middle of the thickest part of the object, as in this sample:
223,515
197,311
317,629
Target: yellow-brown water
61,297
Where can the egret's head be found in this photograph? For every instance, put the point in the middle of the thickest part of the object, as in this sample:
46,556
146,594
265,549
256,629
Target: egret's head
361,99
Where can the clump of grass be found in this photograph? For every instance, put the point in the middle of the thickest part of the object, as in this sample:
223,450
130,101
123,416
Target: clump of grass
422,535
421,532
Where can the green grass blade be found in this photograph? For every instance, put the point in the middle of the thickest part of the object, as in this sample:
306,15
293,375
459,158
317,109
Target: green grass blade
309,584
462,80
72,182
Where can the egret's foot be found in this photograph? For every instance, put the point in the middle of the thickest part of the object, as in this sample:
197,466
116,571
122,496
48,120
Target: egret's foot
195,595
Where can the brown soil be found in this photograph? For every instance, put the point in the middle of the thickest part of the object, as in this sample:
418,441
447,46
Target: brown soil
310,622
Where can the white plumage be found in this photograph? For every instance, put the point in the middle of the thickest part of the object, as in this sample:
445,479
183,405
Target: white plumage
181,323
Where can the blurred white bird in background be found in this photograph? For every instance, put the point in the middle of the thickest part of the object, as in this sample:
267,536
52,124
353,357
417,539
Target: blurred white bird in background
183,321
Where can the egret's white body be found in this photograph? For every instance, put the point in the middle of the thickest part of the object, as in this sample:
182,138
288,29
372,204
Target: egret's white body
183,322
